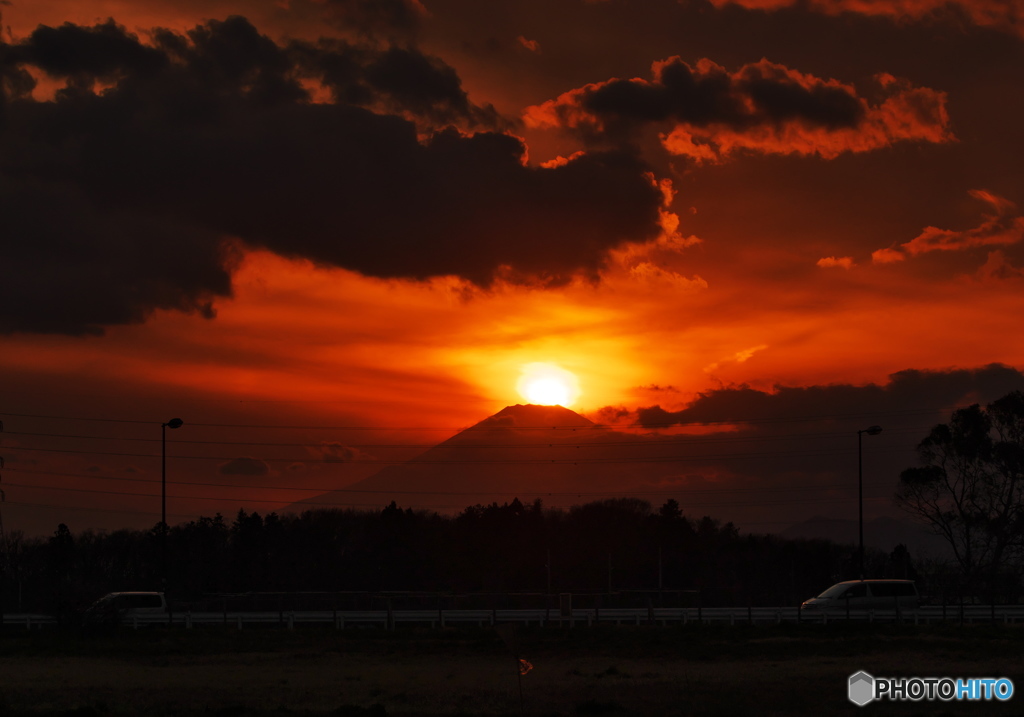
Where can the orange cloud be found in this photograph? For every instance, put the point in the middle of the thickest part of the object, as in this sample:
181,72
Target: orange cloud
652,274
844,262
887,256
1002,226
739,357
763,107
1000,14
531,45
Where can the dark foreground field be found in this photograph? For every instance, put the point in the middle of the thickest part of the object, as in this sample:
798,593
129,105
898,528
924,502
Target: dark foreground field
691,670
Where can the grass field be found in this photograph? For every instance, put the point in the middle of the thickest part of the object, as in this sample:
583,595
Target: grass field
690,670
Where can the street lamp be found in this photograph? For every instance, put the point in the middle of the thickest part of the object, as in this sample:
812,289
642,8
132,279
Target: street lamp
173,423
871,431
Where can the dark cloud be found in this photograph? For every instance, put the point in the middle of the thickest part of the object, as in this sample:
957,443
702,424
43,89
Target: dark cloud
800,445
762,106
71,267
333,452
377,17
761,93
400,80
708,94
1001,14
119,194
103,51
244,467
906,397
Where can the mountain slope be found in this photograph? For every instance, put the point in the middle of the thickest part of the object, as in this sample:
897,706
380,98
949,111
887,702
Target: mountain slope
523,451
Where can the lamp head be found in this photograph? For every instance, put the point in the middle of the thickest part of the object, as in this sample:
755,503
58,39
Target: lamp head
178,423
873,430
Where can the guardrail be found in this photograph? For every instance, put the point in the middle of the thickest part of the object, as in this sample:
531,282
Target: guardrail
389,619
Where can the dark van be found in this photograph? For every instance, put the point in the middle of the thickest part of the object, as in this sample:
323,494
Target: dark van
118,608
866,595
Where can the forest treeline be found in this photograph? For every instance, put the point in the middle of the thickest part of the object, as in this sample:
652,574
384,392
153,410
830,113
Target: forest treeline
610,546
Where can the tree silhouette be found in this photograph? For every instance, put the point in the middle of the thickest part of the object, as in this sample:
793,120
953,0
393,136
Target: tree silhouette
970,488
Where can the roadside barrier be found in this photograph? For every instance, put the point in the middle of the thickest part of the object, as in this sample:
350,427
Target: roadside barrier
543,617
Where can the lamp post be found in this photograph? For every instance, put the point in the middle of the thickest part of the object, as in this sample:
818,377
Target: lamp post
871,431
173,423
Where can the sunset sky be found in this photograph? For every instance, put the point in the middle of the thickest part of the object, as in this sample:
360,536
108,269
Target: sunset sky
355,222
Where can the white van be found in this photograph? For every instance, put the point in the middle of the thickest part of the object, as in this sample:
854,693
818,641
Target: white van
866,595
115,608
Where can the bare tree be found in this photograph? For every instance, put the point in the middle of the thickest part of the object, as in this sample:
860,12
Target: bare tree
970,487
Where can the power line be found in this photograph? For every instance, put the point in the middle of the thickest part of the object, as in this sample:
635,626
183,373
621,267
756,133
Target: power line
130,511
321,489
482,461
478,426
648,442
326,503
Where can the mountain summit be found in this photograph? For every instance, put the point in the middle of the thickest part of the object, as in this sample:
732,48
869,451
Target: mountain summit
533,416
522,451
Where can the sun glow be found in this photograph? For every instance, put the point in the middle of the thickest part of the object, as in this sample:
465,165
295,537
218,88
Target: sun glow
548,385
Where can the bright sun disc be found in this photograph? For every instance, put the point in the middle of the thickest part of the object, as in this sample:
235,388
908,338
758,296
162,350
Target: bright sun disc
548,385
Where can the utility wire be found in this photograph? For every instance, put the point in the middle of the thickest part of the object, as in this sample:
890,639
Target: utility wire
328,503
478,426
482,461
322,489
651,442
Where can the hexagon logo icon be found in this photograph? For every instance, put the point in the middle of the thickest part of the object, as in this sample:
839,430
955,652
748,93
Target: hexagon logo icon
862,688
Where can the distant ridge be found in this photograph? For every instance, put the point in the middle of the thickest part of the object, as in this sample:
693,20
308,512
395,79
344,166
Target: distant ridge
522,451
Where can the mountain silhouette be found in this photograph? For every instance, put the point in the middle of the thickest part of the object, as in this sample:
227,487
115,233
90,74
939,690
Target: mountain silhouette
564,459
523,451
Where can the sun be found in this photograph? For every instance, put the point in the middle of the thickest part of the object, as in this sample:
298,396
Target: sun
548,385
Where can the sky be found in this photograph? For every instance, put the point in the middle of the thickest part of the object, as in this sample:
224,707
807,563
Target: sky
345,227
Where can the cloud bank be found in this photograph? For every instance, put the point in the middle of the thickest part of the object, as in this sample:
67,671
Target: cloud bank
1004,15
762,107
134,186
907,393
